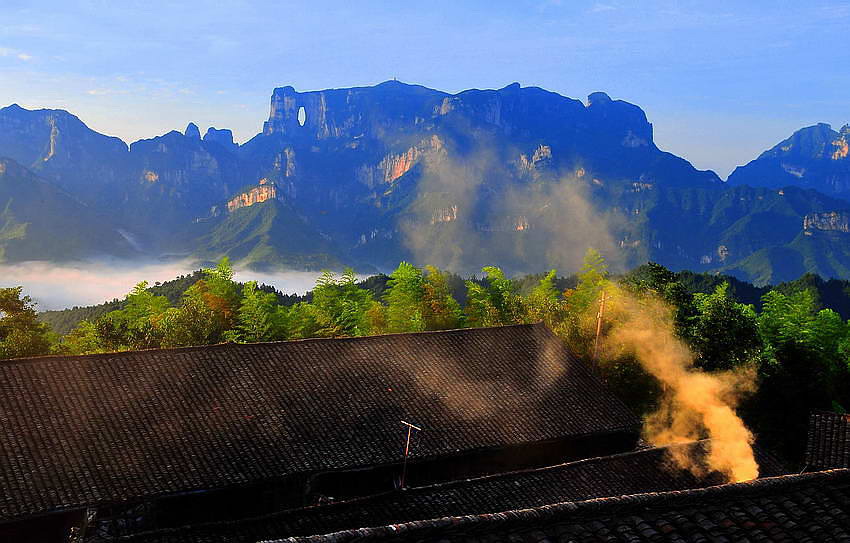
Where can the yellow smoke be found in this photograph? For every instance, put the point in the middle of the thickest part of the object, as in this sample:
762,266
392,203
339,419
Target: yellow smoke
694,404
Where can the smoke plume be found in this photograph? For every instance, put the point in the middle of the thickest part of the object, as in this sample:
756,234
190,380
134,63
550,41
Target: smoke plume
476,209
694,404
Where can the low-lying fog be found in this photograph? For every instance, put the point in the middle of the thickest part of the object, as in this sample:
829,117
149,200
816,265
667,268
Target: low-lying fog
55,286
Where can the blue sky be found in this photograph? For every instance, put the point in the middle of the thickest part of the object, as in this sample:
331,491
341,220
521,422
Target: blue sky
720,81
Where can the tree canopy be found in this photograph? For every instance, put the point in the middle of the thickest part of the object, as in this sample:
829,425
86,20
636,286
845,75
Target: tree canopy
799,351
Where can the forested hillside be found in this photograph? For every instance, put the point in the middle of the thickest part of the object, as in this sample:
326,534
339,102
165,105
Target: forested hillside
831,294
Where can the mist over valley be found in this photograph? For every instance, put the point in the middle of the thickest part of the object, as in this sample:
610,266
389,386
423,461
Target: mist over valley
60,286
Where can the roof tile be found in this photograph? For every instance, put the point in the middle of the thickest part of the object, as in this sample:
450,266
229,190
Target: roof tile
117,427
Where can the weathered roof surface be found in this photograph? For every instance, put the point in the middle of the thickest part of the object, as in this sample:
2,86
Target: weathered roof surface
812,507
828,444
106,428
649,470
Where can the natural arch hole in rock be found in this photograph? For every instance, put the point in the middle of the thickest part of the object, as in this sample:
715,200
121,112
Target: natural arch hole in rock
302,116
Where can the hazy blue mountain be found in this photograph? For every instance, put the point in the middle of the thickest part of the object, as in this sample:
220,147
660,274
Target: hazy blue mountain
176,178
39,221
59,147
813,157
394,170
152,188
266,234
518,176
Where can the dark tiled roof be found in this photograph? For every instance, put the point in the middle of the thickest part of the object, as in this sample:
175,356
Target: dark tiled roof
105,428
828,444
649,470
812,507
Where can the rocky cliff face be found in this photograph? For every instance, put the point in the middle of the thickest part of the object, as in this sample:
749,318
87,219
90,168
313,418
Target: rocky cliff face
348,113
394,166
827,221
840,144
255,195
540,159
177,177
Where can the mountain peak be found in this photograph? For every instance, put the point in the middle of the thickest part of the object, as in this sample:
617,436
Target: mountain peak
810,141
812,157
598,97
391,82
12,108
223,137
192,131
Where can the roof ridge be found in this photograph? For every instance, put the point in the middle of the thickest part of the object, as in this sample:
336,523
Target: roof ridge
225,345
584,507
554,467
407,492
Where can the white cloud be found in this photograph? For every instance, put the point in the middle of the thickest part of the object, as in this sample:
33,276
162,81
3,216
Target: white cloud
8,52
601,8
98,92
20,55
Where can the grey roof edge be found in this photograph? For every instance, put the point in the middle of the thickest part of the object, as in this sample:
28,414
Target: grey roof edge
278,479
227,345
588,507
429,488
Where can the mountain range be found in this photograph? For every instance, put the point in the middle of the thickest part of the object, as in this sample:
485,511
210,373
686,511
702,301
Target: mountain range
368,176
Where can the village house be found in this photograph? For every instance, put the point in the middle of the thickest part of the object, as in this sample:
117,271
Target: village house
137,441
476,434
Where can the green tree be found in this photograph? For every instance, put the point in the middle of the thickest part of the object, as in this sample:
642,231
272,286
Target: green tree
193,322
207,313
440,309
723,333
340,305
404,298
303,321
655,278
83,339
592,278
494,303
803,368
260,316
220,281
581,304
220,292
376,319
543,303
21,333
137,325
793,319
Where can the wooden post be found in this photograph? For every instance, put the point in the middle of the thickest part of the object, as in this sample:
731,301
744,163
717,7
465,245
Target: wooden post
599,326
410,428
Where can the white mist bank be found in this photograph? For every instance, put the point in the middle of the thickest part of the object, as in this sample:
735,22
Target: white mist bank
55,286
